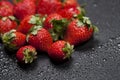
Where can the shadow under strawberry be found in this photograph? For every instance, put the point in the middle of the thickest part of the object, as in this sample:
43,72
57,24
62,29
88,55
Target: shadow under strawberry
64,65
88,45
28,67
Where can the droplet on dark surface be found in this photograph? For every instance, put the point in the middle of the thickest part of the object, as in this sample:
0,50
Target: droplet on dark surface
104,59
119,45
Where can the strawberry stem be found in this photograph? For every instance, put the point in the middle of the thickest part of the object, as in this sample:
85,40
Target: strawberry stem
7,39
59,28
68,50
29,55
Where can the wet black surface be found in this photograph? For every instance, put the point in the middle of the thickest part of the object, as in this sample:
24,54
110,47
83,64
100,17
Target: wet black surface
98,59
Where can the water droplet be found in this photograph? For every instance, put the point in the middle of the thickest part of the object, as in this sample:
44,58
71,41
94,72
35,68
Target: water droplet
119,45
99,47
117,38
104,59
1,52
91,57
110,40
93,48
1,55
1,59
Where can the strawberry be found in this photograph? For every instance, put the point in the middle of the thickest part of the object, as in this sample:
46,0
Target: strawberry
7,23
69,2
39,38
13,40
48,6
69,12
56,25
26,54
48,21
24,8
60,51
6,8
28,22
79,31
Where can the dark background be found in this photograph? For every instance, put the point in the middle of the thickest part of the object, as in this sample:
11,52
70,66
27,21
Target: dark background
98,59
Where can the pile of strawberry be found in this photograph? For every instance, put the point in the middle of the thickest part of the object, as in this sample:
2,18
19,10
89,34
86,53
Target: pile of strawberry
52,26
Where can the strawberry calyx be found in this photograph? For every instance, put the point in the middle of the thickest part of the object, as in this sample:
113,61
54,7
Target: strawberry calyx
7,39
82,11
37,20
29,55
59,27
34,30
68,50
9,17
85,21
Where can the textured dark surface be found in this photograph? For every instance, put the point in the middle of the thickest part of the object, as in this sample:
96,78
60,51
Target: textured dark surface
98,59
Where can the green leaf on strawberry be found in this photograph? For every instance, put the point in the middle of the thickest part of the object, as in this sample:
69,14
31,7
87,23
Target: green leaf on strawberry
37,20
59,27
29,55
68,50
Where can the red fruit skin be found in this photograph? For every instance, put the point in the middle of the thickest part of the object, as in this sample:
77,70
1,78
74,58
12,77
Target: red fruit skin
17,1
69,12
48,6
47,23
55,51
24,8
25,26
70,3
19,40
6,8
7,25
77,34
20,54
41,41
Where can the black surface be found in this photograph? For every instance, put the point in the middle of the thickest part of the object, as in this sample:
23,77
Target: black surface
98,59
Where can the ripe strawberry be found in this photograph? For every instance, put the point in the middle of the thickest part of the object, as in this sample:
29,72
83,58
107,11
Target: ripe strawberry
28,22
13,40
48,21
7,23
60,50
79,31
40,38
24,8
26,54
69,12
6,8
48,6
56,25
69,2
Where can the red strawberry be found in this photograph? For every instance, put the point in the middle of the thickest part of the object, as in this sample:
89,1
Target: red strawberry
48,6
7,23
60,50
40,38
79,31
13,40
69,2
56,25
48,21
28,22
24,8
26,54
6,8
69,12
